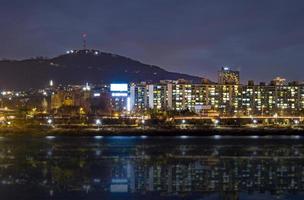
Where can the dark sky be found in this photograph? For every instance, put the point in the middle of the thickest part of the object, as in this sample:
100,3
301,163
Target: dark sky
262,38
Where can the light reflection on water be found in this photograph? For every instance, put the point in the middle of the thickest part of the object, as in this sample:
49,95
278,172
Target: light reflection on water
50,137
98,137
211,167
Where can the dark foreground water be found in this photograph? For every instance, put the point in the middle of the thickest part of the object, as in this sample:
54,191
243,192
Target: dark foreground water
181,167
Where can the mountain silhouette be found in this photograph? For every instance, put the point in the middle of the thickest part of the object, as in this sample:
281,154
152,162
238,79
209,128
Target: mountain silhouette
79,67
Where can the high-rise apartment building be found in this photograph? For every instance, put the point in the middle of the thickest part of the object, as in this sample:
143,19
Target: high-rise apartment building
228,76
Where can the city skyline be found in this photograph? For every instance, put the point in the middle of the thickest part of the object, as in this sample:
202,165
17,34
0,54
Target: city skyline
151,99
195,38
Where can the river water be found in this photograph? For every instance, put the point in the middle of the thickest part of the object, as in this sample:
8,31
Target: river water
182,167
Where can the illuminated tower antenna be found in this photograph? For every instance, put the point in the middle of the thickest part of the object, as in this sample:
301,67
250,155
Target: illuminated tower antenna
84,40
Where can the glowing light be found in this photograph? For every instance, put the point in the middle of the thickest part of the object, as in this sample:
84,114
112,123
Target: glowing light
96,180
119,87
98,137
98,122
119,94
217,136
87,87
49,121
296,137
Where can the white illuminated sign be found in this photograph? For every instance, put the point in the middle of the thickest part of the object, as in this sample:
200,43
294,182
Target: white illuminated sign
119,94
119,87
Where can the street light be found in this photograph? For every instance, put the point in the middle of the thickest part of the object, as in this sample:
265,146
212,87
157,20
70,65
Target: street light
143,123
98,122
49,121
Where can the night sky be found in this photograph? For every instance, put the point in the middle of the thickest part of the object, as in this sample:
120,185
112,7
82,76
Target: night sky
262,38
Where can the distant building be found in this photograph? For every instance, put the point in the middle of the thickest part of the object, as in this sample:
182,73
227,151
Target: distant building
71,96
120,97
226,98
278,81
138,96
157,96
223,99
228,76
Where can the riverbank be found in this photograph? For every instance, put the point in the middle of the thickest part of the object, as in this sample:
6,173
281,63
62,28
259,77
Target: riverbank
207,131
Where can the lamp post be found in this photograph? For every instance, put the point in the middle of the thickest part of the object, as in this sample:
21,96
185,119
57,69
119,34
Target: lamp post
143,123
296,122
98,123
49,121
183,123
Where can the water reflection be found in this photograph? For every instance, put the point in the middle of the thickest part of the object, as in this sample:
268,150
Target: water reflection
164,168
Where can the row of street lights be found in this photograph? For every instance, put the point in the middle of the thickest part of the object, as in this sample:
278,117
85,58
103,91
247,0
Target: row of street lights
216,122
98,122
254,121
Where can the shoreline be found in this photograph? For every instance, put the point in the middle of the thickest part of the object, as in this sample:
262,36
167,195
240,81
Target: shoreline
207,131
